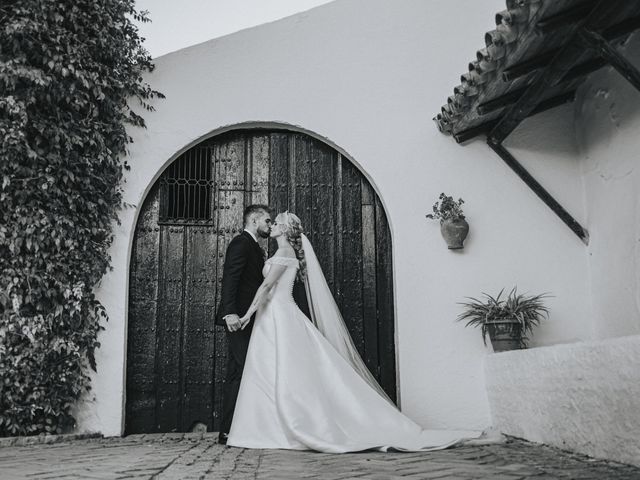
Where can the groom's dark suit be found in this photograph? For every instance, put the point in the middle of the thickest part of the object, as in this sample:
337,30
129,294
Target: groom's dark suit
241,277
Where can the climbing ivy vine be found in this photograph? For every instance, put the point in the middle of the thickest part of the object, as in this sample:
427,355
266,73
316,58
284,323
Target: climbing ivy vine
71,73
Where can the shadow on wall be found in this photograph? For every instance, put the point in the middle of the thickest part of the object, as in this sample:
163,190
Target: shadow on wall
607,100
605,95
548,133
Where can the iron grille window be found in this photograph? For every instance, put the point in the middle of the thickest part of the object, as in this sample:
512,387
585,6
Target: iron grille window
186,188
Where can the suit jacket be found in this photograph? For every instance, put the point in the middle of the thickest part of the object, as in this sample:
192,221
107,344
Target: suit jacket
241,276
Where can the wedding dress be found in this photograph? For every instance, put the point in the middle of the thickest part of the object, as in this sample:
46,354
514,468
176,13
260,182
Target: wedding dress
302,389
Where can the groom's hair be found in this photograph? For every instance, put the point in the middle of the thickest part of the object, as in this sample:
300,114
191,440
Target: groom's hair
252,210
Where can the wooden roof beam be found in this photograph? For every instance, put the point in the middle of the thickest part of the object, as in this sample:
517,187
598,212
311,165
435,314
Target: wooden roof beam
473,132
527,66
540,191
584,68
486,127
532,64
608,53
500,102
561,63
511,97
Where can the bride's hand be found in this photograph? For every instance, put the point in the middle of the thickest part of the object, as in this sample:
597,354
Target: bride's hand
244,321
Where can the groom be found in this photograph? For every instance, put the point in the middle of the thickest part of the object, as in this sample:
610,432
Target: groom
241,277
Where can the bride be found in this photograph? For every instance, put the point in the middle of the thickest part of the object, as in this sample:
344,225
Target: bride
304,384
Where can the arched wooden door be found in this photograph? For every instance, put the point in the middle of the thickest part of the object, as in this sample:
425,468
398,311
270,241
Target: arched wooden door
176,357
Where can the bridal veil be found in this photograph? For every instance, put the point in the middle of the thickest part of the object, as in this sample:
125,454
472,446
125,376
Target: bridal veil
327,317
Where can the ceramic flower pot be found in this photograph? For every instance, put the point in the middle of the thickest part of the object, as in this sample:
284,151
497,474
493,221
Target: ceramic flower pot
505,335
454,232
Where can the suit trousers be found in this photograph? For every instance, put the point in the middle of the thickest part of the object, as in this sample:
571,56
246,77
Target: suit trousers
238,344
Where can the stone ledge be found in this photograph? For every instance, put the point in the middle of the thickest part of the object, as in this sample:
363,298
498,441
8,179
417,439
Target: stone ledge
45,439
582,397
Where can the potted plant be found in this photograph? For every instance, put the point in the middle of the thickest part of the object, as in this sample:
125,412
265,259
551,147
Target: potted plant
508,321
453,226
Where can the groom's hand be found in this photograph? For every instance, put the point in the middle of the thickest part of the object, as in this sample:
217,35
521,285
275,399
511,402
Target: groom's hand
233,322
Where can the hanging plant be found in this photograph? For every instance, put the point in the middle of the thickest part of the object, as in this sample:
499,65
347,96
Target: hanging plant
453,226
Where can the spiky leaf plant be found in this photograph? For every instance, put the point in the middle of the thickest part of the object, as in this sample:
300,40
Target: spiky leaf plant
526,310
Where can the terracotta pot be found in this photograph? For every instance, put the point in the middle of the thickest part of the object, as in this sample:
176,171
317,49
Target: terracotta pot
505,335
454,232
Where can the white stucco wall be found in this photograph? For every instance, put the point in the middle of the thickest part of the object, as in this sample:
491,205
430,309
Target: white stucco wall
583,397
368,75
545,145
607,126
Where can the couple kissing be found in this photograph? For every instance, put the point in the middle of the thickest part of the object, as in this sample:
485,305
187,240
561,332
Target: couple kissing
296,382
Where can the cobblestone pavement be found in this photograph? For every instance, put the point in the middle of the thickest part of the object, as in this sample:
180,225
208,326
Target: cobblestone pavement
198,456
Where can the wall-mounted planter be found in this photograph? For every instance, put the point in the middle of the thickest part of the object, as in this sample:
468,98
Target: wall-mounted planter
454,232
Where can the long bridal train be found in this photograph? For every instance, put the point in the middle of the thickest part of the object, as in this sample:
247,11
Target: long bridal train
305,387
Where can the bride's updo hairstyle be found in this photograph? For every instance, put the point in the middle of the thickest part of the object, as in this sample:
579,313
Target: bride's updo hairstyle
293,231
